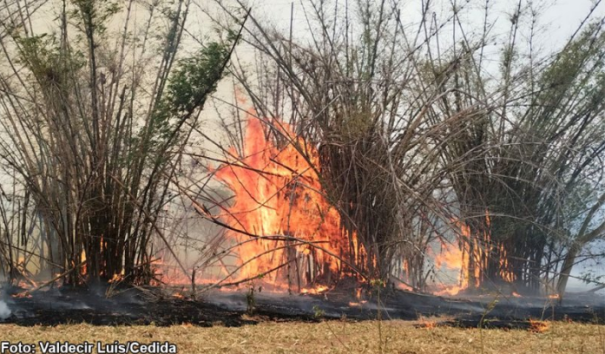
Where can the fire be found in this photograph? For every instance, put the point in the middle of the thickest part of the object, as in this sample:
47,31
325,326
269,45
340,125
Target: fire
24,294
404,287
516,294
474,250
427,323
83,260
316,290
554,296
453,258
538,326
117,278
278,195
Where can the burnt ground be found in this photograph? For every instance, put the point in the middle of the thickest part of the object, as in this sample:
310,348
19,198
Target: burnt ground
138,306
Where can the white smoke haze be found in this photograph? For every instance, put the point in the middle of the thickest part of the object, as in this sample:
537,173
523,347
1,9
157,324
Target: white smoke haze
4,310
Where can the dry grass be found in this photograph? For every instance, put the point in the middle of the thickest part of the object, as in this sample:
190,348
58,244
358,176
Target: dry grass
330,337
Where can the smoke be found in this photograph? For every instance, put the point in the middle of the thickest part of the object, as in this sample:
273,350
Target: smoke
4,310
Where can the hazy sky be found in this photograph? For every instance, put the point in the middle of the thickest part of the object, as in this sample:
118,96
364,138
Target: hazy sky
560,16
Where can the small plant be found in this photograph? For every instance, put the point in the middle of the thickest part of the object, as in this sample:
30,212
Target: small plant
489,308
318,313
250,301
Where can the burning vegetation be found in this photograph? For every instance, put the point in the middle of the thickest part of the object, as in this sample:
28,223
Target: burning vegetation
285,228
472,257
362,163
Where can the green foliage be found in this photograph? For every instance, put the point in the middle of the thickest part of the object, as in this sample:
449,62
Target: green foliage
49,65
318,313
189,85
195,78
163,124
94,13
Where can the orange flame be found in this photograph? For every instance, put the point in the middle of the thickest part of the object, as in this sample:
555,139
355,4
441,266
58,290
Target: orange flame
83,270
24,294
538,326
475,250
117,278
316,290
278,193
428,324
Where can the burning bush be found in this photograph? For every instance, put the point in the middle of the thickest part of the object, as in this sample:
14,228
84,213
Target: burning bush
412,135
285,227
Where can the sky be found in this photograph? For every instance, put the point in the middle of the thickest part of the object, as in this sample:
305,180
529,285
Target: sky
561,17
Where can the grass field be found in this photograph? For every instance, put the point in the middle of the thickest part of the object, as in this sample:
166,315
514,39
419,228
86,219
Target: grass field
330,337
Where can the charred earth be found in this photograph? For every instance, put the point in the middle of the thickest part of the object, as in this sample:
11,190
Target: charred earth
235,307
